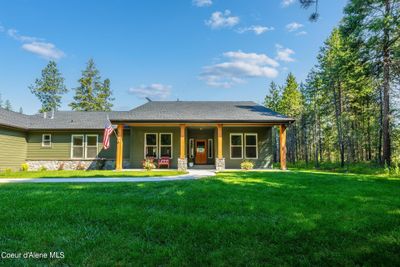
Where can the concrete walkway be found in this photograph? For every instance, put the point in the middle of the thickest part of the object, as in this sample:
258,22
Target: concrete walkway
192,175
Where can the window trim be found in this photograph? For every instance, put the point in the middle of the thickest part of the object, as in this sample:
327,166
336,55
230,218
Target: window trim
145,144
171,145
72,145
256,145
43,145
86,145
230,145
210,148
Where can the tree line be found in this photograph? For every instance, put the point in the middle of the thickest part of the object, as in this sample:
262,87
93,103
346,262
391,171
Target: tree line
92,94
347,110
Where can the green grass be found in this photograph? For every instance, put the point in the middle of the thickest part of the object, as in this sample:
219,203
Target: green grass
235,218
87,174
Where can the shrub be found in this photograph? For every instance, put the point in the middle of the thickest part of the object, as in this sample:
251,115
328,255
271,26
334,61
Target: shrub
148,164
43,168
24,167
247,165
61,166
80,166
7,170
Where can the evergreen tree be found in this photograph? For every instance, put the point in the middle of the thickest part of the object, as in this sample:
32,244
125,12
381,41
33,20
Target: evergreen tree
374,25
273,98
1,101
7,105
92,93
21,110
49,88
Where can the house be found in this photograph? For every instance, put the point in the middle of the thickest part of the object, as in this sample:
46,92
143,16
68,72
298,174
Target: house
217,133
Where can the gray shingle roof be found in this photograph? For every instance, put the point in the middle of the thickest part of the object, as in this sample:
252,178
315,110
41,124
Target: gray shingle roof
198,111
155,111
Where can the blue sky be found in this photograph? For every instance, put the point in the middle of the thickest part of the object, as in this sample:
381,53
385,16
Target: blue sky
191,50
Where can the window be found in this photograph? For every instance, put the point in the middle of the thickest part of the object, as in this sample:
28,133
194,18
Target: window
150,145
77,147
251,149
210,149
236,145
166,145
191,148
46,140
91,146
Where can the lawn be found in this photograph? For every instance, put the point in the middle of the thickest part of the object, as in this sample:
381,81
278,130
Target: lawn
87,174
234,218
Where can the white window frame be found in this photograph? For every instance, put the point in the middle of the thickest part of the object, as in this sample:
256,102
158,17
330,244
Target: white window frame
72,145
161,145
256,145
191,148
43,144
230,145
145,144
210,148
86,145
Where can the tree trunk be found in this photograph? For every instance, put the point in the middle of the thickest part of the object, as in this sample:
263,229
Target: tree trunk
386,91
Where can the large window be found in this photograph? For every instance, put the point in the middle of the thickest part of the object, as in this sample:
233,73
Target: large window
46,140
236,145
251,150
166,145
150,145
210,151
77,146
91,146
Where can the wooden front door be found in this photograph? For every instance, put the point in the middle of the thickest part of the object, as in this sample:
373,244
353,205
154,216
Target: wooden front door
201,152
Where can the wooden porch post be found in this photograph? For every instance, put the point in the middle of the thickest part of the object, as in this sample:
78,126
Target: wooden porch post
183,137
219,128
282,145
120,145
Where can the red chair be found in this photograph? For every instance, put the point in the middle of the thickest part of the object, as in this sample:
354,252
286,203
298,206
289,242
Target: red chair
164,161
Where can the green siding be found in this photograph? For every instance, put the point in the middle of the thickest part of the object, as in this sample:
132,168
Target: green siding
13,148
264,146
61,145
137,144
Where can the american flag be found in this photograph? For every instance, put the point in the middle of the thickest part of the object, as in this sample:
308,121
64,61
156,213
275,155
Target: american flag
108,130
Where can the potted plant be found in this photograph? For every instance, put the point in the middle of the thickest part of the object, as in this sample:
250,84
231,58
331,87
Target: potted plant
191,163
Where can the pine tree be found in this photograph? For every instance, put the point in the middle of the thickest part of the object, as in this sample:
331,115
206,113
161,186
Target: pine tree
49,88
92,94
21,110
7,105
375,24
1,101
272,101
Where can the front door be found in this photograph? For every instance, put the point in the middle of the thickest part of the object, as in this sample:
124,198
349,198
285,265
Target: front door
201,152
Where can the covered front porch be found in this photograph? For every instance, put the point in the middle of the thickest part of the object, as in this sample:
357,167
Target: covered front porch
197,145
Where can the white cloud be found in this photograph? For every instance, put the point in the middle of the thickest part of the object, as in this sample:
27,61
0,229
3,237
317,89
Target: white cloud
286,3
301,33
257,29
284,54
35,45
202,3
239,66
294,26
45,50
13,33
222,20
153,91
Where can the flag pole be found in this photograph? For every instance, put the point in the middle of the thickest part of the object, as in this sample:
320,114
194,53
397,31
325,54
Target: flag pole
108,118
